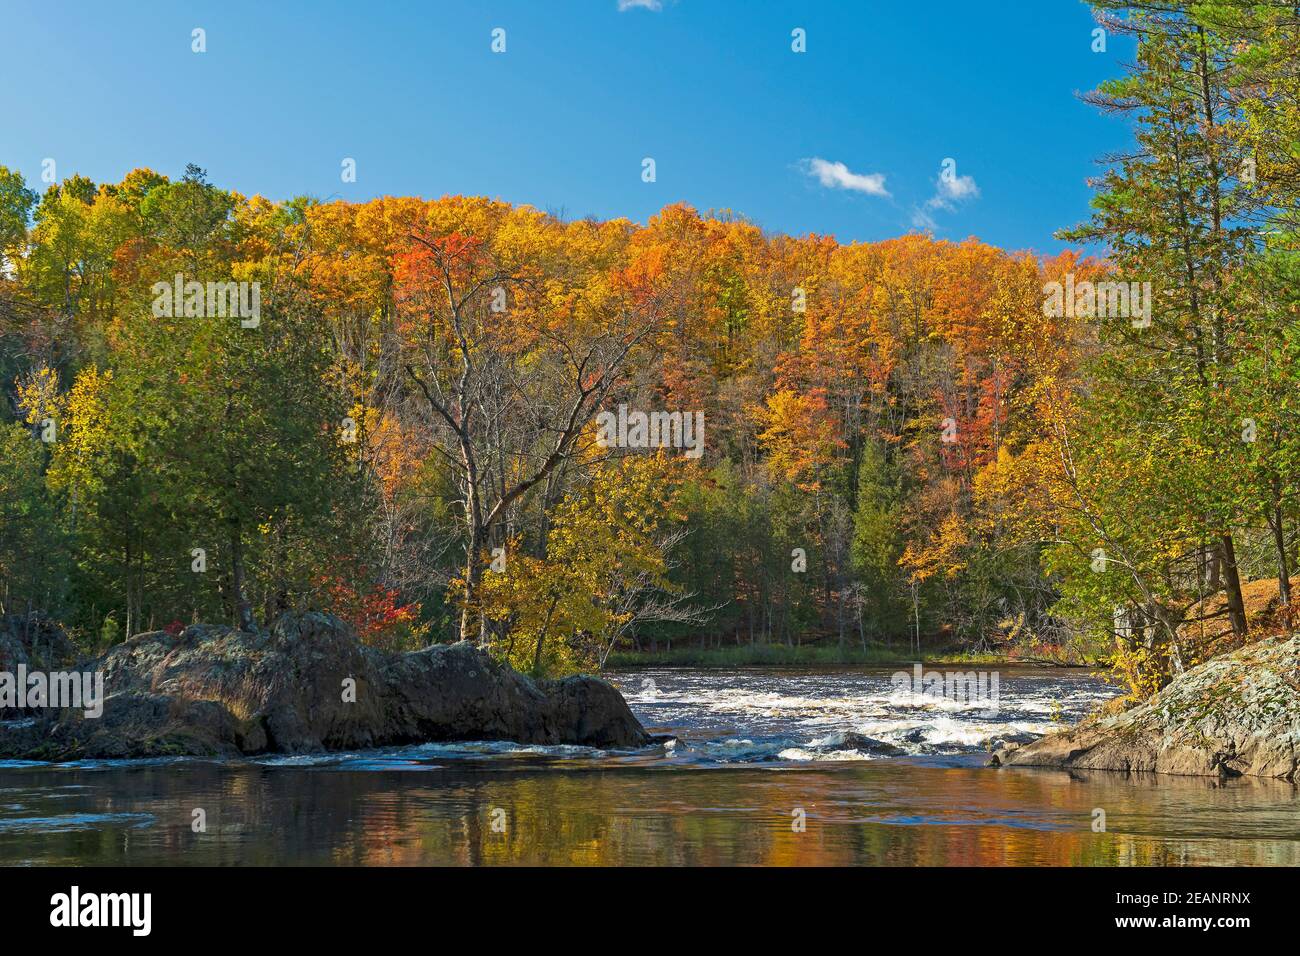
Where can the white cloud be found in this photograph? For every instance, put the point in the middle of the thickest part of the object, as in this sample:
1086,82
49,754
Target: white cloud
626,5
838,176
957,188
949,190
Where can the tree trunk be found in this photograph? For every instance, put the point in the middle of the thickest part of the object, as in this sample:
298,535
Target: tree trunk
1232,586
916,617
477,540
1279,543
473,570
1212,568
130,617
243,609
541,638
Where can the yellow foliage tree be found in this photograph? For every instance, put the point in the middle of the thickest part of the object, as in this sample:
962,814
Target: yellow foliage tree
606,559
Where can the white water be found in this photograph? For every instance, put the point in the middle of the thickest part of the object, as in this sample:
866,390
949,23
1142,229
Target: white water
760,715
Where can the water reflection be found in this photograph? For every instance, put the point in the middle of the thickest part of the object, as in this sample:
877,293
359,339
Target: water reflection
895,812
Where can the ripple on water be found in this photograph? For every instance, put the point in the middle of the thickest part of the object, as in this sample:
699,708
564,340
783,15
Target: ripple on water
76,821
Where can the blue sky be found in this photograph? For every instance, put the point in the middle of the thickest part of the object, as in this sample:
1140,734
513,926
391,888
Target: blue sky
845,139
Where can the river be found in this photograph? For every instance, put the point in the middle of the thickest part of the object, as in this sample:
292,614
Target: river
768,767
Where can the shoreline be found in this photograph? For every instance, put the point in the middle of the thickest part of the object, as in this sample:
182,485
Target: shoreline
781,655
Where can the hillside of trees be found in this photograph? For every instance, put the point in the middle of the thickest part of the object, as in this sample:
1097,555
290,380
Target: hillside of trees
903,442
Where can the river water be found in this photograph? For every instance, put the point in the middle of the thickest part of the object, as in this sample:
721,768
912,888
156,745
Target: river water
768,767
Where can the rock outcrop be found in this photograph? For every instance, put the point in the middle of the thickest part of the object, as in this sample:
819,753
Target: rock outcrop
307,684
1234,715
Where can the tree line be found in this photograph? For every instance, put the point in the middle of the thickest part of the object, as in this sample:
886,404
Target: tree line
911,441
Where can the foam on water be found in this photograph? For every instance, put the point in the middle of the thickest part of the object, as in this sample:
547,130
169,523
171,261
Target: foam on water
799,754
762,715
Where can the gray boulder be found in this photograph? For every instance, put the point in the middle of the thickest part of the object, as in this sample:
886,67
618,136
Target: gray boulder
217,691
1238,714
864,744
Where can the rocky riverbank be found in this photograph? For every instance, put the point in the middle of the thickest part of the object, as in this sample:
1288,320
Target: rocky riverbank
307,684
1238,714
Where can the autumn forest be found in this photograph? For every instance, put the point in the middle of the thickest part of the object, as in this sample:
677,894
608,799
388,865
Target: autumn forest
219,407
